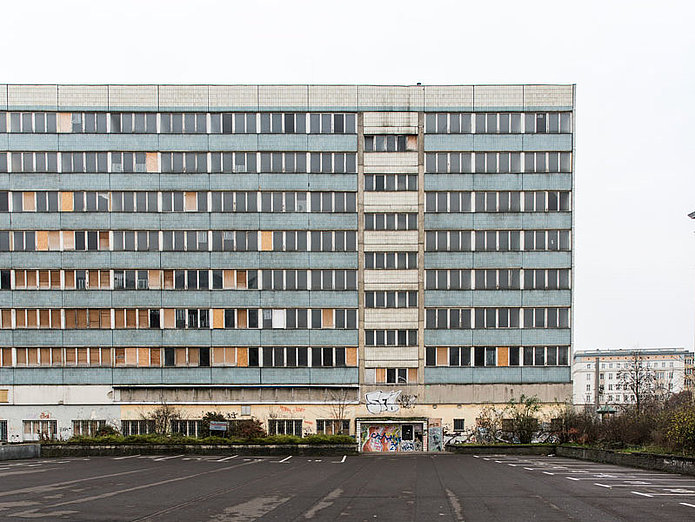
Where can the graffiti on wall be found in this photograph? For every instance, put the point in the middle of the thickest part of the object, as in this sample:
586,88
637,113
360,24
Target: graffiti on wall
382,402
384,438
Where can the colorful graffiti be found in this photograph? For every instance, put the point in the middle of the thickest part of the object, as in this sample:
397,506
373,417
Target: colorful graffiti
381,438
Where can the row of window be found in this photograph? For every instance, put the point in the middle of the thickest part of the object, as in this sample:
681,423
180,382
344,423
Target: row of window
309,279
390,182
168,356
135,279
390,260
178,123
498,123
390,337
391,299
390,221
497,162
390,143
497,356
503,317
179,162
498,279
178,241
194,318
497,240
502,201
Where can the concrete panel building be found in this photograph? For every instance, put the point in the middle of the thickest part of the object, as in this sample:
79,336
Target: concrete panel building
375,260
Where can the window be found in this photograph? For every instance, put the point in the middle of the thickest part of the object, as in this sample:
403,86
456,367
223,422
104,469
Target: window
390,143
137,427
186,428
285,427
391,337
390,182
459,425
332,123
178,123
40,430
390,221
391,299
333,426
87,428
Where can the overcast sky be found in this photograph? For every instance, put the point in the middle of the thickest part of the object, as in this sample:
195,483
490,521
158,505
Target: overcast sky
633,63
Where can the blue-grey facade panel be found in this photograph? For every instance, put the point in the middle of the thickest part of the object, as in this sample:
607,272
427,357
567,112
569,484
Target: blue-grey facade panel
186,375
118,181
485,375
137,376
235,260
81,260
333,337
334,375
32,142
6,376
547,259
231,220
30,181
108,142
283,182
37,299
285,299
87,376
238,337
235,299
136,260
178,182
178,337
40,338
183,142
142,338
141,221
332,142
335,299
327,221
550,142
133,298
284,142
229,375
546,336
448,337
6,299
546,298
77,221
93,337
186,299
173,260
559,181
497,337
330,182
233,142
86,299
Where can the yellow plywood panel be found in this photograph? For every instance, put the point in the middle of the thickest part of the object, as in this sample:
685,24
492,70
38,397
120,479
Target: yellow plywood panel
154,278
217,318
169,318
143,356
190,201
351,356
327,318
64,122
68,240
3,396
381,375
241,279
67,202
242,356
412,374
266,240
502,356
241,318
29,201
228,276
54,240
41,240
442,356
152,162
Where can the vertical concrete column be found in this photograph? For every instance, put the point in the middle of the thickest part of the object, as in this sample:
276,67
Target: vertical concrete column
360,247
421,247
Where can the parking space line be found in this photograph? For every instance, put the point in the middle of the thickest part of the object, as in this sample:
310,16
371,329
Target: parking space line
227,458
343,460
126,457
686,504
285,459
167,458
643,494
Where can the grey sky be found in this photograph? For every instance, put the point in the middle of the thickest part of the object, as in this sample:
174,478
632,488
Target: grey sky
632,63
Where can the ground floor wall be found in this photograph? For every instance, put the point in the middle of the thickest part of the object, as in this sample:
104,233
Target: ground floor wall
422,417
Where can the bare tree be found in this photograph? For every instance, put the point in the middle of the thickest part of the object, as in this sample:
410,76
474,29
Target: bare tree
162,416
640,380
339,401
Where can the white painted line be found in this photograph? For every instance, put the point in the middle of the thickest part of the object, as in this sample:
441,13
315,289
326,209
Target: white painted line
317,460
548,473
167,458
686,504
476,456
530,469
341,461
603,485
126,457
512,465
571,478
285,459
643,494
227,458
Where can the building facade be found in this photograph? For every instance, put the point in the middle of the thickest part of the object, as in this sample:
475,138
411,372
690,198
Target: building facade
600,376
375,260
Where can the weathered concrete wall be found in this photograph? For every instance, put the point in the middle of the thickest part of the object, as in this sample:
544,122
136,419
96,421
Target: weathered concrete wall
504,449
74,450
20,451
668,463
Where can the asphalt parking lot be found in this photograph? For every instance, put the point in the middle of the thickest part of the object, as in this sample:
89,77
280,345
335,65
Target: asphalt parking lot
408,487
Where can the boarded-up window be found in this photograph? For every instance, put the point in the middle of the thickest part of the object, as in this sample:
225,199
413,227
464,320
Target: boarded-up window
55,279
106,356
412,375
241,279
327,319
351,356
228,279
190,201
119,356
44,279
82,356
143,356
66,201
104,241
94,318
45,318
57,356
105,279
143,318
503,356
68,240
242,357
70,356
7,318
54,240
266,240
29,201
380,375
21,356
41,240
443,355
45,356
70,318
119,318
105,318
194,356
81,316
20,317
94,279
155,356
168,279
130,318
94,356
20,279
32,356
218,318
3,396
153,278
152,161
241,318
7,356
55,319
32,281
169,318
70,279
32,318
180,356
131,355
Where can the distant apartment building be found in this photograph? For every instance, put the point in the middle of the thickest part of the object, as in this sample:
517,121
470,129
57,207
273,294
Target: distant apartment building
598,375
381,261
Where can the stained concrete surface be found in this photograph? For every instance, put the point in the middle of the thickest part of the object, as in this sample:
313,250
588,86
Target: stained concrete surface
416,487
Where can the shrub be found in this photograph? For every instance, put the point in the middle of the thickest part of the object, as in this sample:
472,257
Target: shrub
681,428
